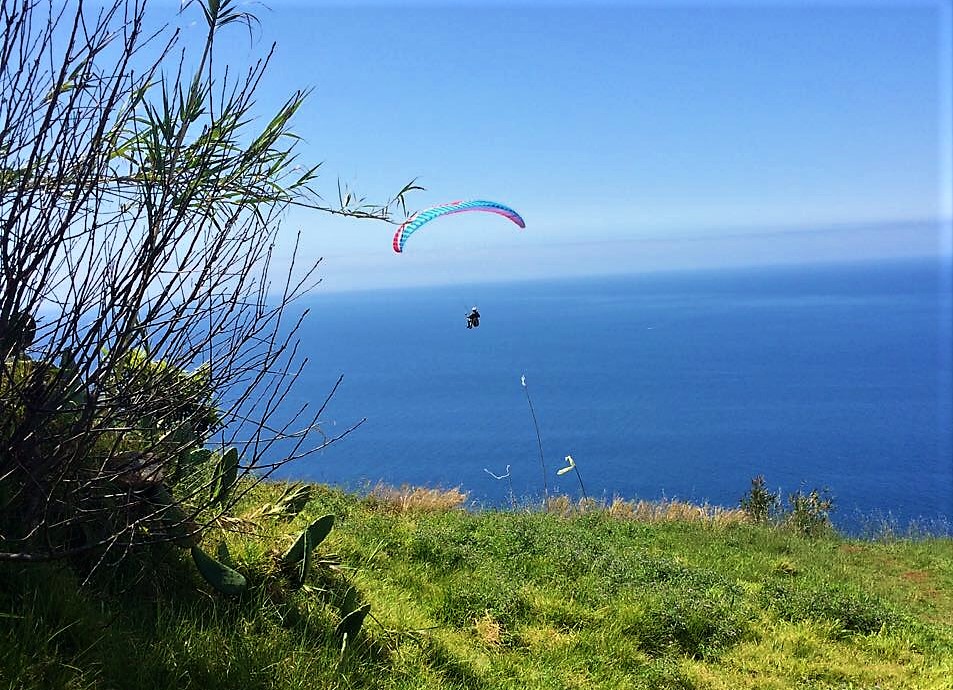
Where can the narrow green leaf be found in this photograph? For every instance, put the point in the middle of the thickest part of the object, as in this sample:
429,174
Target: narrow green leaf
305,563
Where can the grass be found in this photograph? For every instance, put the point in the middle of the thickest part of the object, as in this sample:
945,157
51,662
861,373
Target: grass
415,499
582,595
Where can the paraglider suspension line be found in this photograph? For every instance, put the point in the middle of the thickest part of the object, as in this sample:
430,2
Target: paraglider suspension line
539,442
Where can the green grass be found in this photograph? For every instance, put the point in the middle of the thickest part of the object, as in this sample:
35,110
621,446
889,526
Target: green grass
495,600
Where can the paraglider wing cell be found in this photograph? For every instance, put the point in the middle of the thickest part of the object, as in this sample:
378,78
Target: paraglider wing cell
412,224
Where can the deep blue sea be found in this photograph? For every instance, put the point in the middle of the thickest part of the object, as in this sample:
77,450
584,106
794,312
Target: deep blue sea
680,385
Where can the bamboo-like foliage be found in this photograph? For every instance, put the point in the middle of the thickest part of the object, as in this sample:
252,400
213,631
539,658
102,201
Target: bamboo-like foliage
141,317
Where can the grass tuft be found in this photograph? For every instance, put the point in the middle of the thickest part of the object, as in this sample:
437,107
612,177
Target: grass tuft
415,499
665,510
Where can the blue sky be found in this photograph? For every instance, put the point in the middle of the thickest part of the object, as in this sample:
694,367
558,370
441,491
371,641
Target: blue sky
630,136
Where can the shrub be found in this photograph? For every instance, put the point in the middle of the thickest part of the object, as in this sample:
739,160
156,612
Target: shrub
760,504
809,514
141,197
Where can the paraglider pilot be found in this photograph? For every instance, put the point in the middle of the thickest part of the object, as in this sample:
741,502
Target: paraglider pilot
473,318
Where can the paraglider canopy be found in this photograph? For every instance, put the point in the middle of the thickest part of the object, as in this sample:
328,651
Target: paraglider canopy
412,224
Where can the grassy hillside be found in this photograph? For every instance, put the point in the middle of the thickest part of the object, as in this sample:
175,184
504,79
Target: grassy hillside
637,598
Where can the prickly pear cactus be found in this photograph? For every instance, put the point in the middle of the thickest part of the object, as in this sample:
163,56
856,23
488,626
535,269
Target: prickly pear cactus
226,472
349,601
198,457
351,624
219,575
312,536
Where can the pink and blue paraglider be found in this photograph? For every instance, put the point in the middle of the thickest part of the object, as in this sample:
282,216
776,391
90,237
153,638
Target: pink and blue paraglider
412,224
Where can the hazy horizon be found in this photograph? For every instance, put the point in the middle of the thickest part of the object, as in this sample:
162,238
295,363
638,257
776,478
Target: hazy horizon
657,253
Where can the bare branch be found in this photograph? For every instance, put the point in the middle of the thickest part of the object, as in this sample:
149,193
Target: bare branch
142,314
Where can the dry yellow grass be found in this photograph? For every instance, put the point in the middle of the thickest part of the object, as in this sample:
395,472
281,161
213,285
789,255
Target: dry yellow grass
416,499
488,630
650,511
676,511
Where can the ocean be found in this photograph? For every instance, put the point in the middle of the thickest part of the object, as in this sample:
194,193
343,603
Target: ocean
680,385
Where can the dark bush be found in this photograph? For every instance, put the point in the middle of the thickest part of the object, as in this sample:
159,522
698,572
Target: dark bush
696,622
853,609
